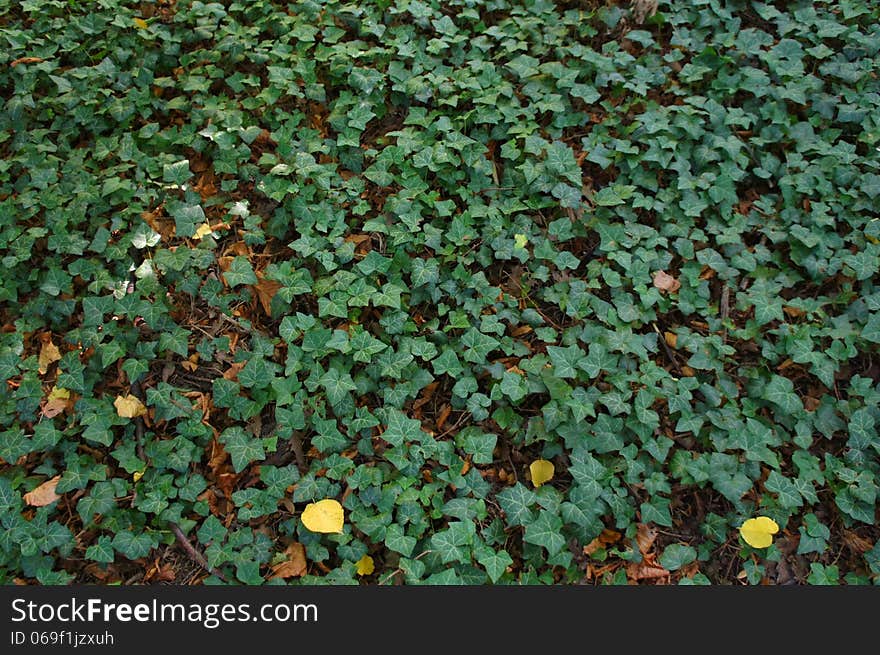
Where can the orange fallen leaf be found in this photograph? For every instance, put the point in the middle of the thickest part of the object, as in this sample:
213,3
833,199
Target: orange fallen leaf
294,566
442,416
266,290
665,282
645,537
25,60
606,538
231,373
671,339
48,353
645,571
43,494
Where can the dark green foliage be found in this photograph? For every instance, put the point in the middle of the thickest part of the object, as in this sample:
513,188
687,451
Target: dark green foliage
436,234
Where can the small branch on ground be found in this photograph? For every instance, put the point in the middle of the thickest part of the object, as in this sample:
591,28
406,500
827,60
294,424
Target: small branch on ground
193,552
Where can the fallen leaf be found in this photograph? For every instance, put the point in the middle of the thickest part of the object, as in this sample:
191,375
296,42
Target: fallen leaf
294,566
325,516
758,532
231,373
266,290
48,353
129,406
140,23
520,241
160,573
645,571
202,231
643,9
25,60
606,538
542,471
645,537
43,494
56,402
365,565
671,339
666,282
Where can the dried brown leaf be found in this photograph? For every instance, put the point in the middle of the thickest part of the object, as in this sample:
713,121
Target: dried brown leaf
665,282
266,290
43,494
294,566
645,537
25,60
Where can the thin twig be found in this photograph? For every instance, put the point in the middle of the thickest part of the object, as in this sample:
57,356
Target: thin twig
193,552
669,353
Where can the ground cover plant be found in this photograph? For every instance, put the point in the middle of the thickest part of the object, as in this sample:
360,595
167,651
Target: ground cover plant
416,292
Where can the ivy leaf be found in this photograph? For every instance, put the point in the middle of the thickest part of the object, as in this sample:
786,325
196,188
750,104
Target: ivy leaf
400,429
337,385
240,272
546,531
516,501
243,447
494,561
101,551
780,391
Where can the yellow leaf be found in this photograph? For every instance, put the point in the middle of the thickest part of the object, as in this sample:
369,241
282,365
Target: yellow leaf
365,565
48,353
758,533
520,240
58,393
542,471
203,230
324,516
137,475
129,406
140,23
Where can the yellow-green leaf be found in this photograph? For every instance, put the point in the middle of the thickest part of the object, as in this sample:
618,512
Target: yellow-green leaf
758,532
202,231
520,240
542,471
365,565
324,516
140,23
129,406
